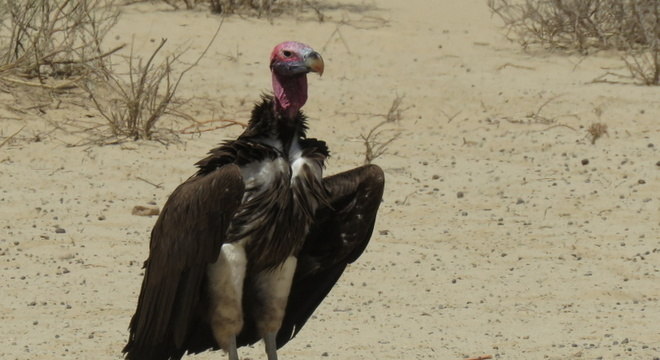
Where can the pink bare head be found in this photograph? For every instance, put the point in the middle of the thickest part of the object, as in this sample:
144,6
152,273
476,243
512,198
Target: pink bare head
290,62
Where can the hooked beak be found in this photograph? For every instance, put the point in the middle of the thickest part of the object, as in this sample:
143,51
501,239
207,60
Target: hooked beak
314,62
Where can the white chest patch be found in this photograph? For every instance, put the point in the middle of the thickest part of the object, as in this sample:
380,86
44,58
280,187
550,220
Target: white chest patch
298,163
263,173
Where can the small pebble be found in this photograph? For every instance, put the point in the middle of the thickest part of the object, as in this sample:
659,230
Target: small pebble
460,194
60,231
585,161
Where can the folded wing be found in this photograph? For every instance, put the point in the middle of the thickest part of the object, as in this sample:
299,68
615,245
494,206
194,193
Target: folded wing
186,237
338,237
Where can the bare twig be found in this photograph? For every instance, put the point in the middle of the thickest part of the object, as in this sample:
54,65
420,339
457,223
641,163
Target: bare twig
337,32
6,140
450,118
375,141
374,147
644,66
81,61
504,66
196,126
317,10
538,111
66,85
158,186
603,79
482,357
558,125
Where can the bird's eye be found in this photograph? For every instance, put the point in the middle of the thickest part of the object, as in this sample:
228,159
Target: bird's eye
286,53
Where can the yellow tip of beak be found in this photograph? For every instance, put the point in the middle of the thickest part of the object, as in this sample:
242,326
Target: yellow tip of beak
314,62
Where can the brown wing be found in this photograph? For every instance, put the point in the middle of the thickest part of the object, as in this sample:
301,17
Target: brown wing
186,237
338,237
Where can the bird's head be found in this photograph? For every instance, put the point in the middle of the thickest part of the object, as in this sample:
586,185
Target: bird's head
289,63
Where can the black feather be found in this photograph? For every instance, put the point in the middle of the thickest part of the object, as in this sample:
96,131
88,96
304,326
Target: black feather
326,224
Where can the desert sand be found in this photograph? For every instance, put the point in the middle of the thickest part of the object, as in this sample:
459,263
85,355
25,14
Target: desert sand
504,231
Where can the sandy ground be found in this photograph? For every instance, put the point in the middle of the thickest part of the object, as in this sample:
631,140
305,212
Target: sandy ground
493,238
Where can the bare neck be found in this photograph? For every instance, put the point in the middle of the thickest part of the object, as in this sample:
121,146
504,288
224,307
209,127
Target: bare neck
290,94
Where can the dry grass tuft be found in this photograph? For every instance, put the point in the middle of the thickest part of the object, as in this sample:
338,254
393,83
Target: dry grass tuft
596,131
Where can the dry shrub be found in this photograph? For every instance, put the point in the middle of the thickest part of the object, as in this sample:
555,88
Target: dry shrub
48,39
53,38
258,8
377,140
644,62
133,104
576,24
629,25
227,6
233,6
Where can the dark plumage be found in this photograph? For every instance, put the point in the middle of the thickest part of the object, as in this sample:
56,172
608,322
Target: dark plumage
249,246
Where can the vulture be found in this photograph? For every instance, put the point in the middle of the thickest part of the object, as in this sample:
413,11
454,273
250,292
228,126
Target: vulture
250,245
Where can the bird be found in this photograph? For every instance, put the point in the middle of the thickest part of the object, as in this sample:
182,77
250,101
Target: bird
250,245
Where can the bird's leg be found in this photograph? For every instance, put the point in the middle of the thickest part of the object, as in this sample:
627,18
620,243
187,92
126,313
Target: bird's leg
271,345
273,287
226,277
232,351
